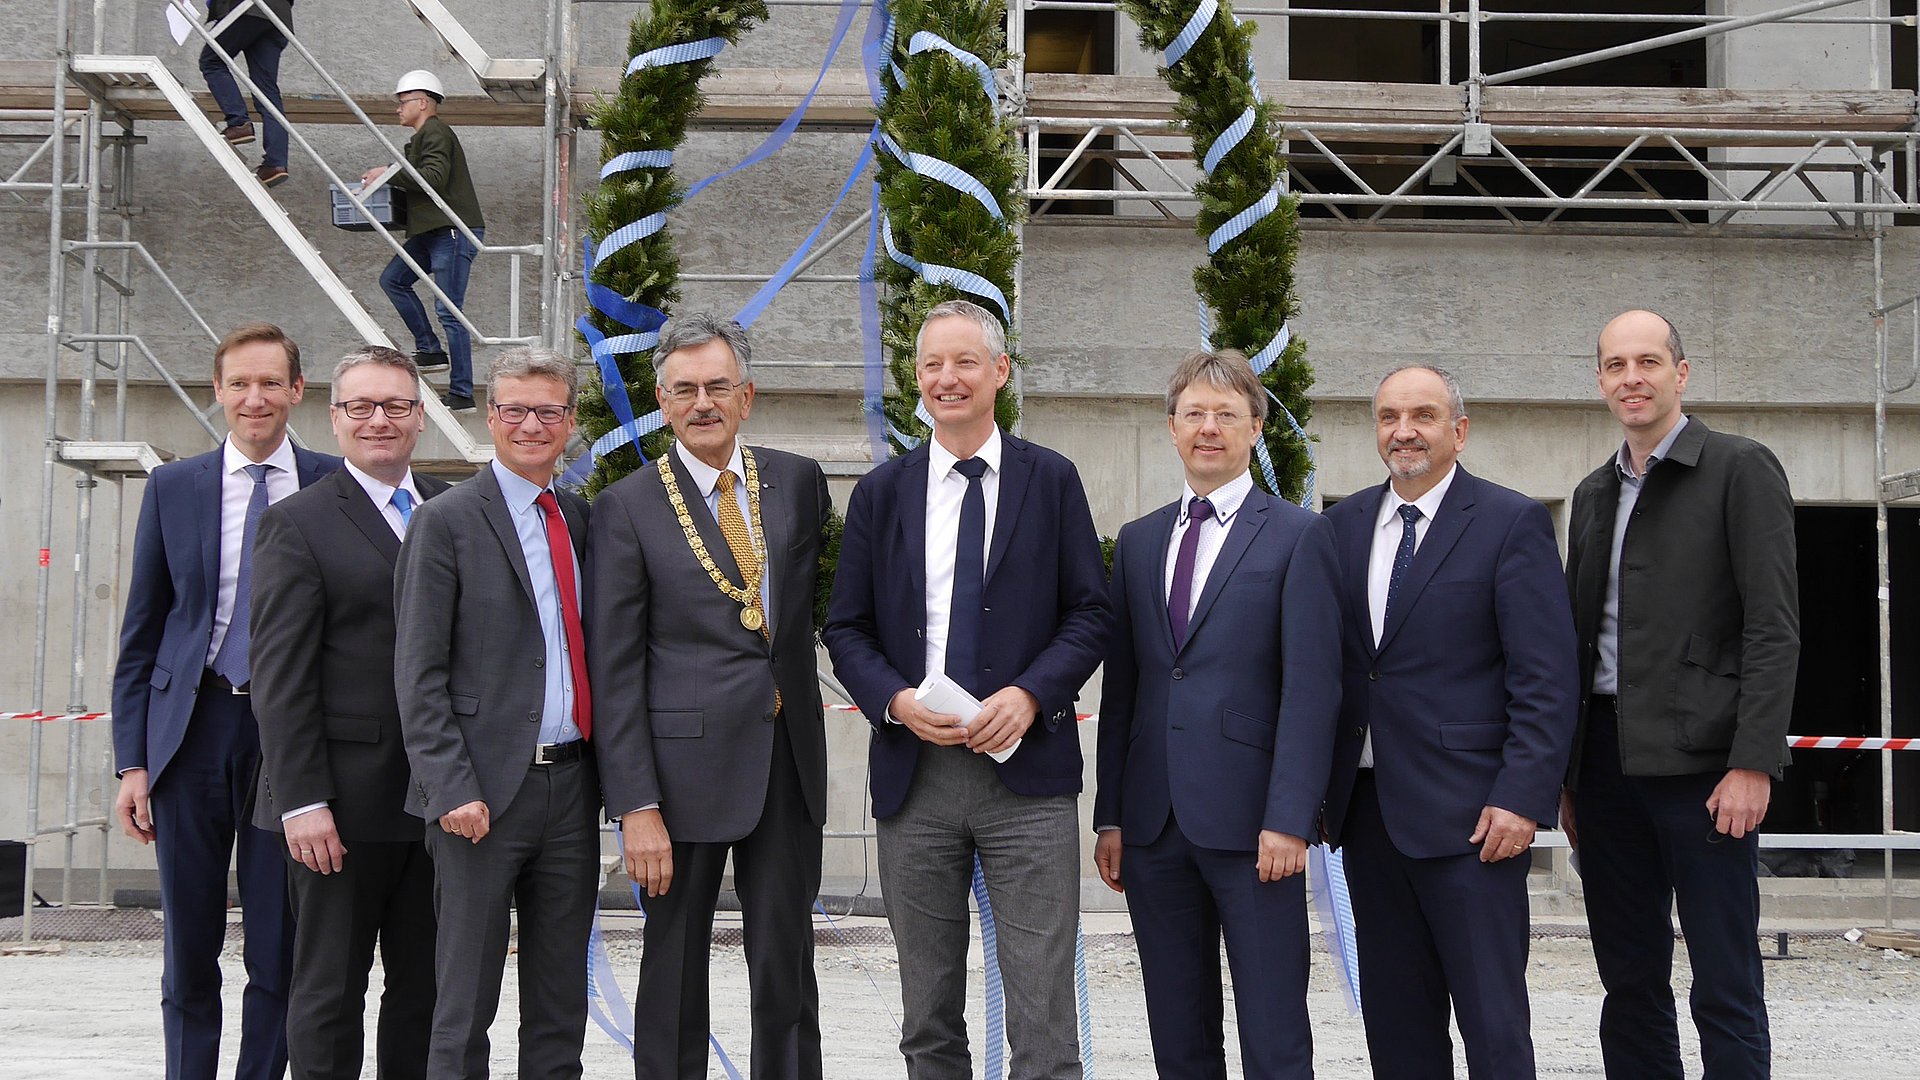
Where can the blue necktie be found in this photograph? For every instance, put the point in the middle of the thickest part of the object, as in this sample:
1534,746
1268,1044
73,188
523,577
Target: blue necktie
403,502
1180,597
1402,559
969,581
232,663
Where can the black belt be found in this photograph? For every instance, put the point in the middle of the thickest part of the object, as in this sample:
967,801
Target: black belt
219,681
559,753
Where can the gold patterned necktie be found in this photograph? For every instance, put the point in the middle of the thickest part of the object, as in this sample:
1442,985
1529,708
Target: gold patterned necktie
733,526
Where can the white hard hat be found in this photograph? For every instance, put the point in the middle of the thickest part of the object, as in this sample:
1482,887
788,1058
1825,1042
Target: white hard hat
421,79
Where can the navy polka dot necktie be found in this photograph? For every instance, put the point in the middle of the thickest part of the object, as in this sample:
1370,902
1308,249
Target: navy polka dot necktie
1402,558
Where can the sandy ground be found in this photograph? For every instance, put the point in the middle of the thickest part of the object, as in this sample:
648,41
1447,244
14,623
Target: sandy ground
1839,1011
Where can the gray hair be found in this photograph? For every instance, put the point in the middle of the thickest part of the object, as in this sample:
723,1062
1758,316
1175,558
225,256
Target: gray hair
991,332
376,354
1456,404
696,329
1223,370
530,362
1673,337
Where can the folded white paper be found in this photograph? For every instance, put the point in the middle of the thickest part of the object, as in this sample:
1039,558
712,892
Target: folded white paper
943,695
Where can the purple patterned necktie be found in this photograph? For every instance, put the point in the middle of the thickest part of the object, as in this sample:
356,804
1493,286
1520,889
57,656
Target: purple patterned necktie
1180,600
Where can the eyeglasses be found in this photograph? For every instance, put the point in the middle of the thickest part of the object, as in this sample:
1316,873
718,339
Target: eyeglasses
720,391
1195,418
395,408
517,414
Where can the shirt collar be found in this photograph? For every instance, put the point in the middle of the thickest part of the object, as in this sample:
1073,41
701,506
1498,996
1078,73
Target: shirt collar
1428,504
705,476
1226,499
516,489
380,491
1624,459
940,460
281,458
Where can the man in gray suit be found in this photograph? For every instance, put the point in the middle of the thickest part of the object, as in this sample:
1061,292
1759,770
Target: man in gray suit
700,585
490,669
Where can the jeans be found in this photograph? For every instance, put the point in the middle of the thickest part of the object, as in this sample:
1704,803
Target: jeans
260,43
448,256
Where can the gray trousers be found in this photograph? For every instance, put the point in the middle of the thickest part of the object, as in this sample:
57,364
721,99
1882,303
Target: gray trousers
541,856
1029,849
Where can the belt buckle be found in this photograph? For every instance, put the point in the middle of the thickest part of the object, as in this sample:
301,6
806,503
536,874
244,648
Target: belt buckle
540,754
239,691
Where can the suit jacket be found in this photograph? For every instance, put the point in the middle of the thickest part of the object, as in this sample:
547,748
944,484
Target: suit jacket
1044,626
323,640
468,662
172,590
1232,733
1709,606
684,692
1470,692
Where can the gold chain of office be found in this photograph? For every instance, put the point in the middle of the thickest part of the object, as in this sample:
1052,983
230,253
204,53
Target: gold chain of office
750,616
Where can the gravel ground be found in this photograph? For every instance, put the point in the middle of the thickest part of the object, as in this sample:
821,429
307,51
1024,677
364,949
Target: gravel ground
1839,1011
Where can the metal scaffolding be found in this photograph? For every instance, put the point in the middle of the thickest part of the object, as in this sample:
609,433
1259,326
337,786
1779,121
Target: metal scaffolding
1494,152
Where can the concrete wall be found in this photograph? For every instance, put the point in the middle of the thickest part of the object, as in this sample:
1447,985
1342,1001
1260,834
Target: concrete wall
1780,344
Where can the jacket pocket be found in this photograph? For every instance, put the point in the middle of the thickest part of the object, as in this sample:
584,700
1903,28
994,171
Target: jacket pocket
1474,734
1248,730
160,678
465,704
363,729
1707,655
1706,696
678,723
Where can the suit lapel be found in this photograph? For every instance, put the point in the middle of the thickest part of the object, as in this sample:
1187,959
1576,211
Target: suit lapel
1356,552
494,506
365,516
776,519
912,509
1154,585
308,466
1247,523
1456,513
1015,472
206,491
1597,546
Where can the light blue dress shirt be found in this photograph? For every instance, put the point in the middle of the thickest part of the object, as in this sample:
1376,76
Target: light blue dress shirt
530,525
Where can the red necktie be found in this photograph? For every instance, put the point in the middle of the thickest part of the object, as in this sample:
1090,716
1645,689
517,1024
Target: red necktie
560,546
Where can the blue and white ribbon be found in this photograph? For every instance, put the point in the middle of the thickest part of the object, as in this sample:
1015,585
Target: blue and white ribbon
944,172
1327,868
684,53
937,274
928,40
1190,33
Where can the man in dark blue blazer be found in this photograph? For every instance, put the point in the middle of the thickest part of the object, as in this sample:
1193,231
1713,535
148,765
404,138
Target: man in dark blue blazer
1456,725
1216,733
974,555
184,738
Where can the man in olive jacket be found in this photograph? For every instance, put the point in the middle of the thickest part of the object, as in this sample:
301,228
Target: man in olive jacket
1681,564
434,240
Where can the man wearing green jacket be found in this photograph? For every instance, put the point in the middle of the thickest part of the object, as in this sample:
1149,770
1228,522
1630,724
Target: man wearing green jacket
434,241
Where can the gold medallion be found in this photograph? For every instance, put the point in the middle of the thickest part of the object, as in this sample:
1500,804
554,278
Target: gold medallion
750,618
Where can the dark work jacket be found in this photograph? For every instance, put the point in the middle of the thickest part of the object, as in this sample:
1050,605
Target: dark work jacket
435,151
282,9
1709,606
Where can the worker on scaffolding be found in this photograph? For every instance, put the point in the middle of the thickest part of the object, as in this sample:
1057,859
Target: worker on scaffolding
255,37
437,243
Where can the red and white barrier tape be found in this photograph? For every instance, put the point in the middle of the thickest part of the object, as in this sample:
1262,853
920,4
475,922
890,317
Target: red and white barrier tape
1797,742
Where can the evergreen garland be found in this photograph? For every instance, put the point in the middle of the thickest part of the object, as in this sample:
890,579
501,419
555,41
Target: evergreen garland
1248,283
942,110
650,112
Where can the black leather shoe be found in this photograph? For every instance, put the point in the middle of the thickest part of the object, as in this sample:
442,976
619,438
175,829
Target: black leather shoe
430,361
457,402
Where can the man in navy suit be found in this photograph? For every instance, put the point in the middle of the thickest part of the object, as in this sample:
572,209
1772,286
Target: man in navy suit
974,555
1216,732
1456,724
183,730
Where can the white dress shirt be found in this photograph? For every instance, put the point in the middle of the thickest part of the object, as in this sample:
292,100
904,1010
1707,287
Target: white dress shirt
1387,529
945,489
381,493
236,490
1227,500
707,479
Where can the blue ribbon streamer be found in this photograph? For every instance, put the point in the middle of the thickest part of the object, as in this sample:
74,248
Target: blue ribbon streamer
927,40
1244,220
631,233
937,274
1327,869
1242,125
944,172
873,364
760,299
683,53
1190,33
996,997
636,159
